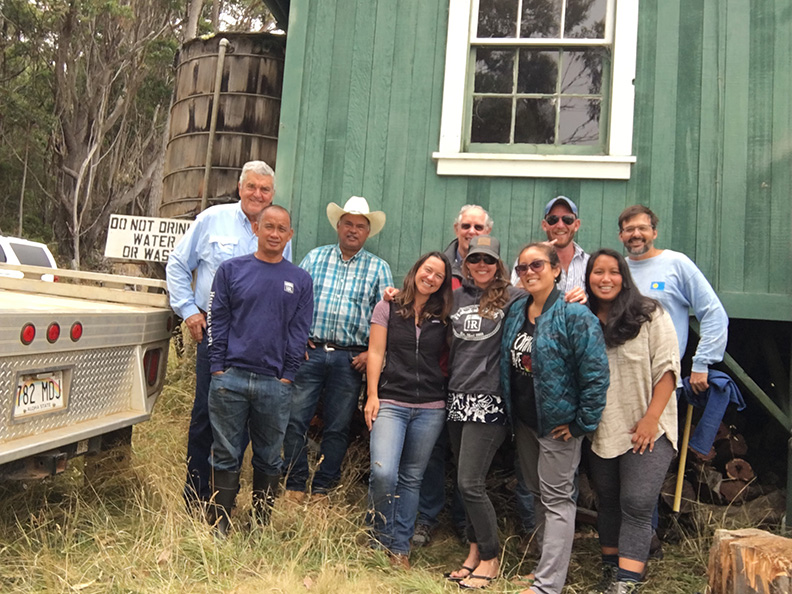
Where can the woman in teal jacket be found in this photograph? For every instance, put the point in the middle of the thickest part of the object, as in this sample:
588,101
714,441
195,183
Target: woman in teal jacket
554,374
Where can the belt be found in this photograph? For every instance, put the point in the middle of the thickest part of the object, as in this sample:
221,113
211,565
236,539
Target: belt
331,346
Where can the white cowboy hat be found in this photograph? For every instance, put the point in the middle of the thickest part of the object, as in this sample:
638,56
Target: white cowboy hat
357,205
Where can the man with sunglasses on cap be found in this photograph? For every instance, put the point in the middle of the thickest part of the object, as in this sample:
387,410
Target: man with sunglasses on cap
471,222
561,223
348,282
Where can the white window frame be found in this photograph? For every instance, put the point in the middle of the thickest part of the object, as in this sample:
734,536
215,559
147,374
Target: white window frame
616,164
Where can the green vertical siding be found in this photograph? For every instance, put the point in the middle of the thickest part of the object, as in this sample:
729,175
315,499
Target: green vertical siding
712,135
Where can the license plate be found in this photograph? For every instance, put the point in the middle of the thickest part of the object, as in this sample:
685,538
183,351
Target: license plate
39,393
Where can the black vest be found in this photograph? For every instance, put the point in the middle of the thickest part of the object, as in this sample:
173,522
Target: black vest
412,371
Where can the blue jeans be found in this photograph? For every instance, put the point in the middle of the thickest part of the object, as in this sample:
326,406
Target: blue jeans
433,491
398,460
239,399
199,437
329,374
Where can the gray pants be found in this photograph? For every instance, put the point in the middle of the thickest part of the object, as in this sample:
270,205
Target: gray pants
627,490
549,466
474,445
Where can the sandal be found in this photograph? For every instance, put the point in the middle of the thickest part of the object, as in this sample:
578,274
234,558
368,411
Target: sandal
459,578
473,576
524,581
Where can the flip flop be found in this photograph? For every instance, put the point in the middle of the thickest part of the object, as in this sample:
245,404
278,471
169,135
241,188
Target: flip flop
473,576
451,578
525,581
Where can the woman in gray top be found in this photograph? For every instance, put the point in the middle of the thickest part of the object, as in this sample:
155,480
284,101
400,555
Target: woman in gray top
476,415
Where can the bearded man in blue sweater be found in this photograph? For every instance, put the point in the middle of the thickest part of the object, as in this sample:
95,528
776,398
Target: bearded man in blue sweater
260,311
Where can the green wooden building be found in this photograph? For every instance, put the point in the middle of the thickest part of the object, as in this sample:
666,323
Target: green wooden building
423,106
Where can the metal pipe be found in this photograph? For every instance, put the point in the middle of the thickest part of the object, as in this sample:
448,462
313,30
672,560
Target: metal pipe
213,123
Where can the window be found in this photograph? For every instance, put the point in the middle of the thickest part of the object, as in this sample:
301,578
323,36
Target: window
539,88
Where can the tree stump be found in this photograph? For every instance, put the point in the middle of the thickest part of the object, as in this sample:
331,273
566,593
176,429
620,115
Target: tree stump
750,561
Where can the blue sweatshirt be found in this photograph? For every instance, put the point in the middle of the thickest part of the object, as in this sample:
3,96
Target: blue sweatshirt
676,282
259,317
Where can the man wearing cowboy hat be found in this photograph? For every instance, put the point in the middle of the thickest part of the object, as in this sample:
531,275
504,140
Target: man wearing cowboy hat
348,283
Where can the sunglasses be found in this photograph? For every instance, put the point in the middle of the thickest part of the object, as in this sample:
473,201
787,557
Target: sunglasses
466,226
476,258
553,219
536,266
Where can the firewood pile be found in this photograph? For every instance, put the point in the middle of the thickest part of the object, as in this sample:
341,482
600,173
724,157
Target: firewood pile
724,477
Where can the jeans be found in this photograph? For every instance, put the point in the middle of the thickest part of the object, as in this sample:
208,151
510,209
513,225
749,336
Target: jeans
474,446
329,374
524,500
627,489
199,436
433,492
549,466
398,461
240,399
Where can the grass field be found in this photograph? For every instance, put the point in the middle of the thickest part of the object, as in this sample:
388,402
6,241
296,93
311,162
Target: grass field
127,532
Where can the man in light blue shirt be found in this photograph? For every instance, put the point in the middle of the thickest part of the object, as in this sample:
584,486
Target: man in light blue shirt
560,224
676,282
219,233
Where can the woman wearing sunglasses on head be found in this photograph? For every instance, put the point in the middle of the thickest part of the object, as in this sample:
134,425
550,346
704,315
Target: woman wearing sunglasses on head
476,415
636,439
554,373
405,409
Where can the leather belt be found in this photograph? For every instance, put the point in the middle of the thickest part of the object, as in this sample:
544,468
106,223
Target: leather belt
329,347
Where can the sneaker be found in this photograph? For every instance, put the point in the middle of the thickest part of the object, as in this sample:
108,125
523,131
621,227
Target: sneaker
422,536
608,579
623,588
656,548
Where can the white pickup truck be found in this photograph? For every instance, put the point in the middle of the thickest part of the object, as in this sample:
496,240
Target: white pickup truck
82,359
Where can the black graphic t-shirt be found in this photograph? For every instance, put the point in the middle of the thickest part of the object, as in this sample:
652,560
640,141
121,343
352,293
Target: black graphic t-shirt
522,384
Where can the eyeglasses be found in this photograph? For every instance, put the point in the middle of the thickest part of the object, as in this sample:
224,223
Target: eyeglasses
536,266
466,226
639,228
553,219
476,258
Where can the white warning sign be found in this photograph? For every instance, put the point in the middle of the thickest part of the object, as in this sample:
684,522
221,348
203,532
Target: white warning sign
143,238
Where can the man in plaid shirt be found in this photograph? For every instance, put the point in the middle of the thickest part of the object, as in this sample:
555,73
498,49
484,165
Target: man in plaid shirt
348,283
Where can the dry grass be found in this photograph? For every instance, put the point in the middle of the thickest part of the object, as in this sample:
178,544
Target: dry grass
130,533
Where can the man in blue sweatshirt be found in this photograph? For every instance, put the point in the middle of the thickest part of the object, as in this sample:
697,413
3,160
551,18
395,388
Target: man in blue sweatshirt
676,282
260,310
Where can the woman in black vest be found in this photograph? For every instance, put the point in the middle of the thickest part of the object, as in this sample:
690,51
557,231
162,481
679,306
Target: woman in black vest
405,410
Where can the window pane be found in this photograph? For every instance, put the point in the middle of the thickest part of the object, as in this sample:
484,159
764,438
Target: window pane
585,19
541,18
538,71
582,71
494,71
497,18
579,121
535,121
491,119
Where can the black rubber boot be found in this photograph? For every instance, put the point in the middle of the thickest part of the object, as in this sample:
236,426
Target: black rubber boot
224,489
265,489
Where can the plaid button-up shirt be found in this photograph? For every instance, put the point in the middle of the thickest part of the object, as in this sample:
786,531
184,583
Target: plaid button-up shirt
345,293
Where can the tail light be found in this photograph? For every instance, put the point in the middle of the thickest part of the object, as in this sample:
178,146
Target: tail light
151,365
76,331
27,334
53,332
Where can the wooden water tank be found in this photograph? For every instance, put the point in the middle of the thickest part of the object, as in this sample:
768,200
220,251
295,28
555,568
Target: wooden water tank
247,124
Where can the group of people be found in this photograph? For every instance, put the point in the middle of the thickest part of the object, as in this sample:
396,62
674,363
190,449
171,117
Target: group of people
571,347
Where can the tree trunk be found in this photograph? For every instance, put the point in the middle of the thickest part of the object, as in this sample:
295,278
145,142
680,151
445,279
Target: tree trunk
749,561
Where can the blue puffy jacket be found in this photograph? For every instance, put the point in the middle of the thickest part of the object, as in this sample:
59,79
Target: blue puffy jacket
570,366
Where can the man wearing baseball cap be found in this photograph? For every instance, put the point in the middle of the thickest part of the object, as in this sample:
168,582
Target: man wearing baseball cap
561,223
348,283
